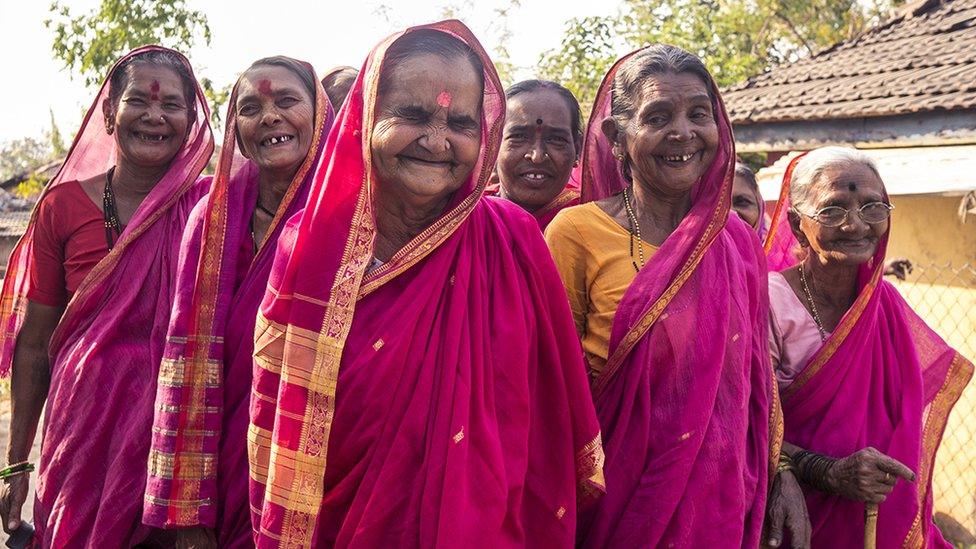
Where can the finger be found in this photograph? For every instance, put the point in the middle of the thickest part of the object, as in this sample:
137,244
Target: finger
776,519
13,519
895,467
799,532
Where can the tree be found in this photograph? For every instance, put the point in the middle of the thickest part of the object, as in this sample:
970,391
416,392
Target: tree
89,44
584,57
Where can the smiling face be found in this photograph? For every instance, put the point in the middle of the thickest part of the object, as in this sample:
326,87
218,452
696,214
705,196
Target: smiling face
745,201
427,134
537,152
848,185
275,118
672,138
151,120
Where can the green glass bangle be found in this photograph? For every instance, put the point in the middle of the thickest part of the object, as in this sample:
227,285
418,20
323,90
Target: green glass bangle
16,469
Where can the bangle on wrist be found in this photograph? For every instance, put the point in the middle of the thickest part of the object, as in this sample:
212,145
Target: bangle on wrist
813,469
24,467
785,463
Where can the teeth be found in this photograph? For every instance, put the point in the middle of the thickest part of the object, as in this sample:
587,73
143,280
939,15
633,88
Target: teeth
534,176
147,137
282,139
679,158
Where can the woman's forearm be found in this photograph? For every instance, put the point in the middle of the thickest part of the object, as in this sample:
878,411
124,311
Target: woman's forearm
29,383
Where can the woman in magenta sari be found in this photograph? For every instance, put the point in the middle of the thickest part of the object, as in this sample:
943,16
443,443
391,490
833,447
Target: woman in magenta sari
89,342
866,386
540,149
276,129
668,292
417,382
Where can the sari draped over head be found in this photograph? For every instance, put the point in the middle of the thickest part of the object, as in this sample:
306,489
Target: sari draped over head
106,350
686,401
567,197
882,379
779,243
439,399
198,461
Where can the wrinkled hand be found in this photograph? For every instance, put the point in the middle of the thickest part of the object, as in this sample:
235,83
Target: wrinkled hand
786,507
13,494
867,475
898,268
197,537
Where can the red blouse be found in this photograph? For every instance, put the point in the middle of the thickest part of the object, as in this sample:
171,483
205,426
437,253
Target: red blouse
69,240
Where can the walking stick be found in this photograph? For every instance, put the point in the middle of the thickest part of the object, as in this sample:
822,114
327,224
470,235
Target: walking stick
871,526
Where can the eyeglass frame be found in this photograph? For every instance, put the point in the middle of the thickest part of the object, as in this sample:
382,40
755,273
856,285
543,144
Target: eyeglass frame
847,213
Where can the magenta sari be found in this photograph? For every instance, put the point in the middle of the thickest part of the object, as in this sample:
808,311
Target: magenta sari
438,400
106,350
686,401
198,461
882,379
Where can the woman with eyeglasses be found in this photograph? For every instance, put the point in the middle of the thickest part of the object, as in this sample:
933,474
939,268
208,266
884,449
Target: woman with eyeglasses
866,386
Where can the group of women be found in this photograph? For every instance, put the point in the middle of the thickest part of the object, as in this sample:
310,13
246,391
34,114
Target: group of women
355,333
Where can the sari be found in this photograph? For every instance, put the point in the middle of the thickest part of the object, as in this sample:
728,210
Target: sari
686,400
198,460
567,197
439,399
106,350
883,379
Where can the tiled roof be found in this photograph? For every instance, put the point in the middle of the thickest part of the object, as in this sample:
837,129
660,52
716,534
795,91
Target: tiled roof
13,223
922,60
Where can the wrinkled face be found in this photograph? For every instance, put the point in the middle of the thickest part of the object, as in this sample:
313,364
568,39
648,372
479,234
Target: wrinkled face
427,133
848,185
152,118
672,138
745,202
275,118
537,152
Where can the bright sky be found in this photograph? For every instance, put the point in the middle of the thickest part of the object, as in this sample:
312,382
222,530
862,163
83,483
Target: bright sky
326,33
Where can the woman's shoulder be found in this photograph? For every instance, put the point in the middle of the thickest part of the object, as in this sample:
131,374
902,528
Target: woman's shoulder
66,201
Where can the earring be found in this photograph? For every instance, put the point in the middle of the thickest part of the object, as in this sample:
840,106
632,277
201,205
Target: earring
576,162
108,127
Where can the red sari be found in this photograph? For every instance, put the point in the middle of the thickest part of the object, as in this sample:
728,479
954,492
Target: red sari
437,400
198,462
882,379
686,400
105,352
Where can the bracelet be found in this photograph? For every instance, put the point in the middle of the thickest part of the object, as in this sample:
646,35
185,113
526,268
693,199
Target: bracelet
16,469
785,463
813,468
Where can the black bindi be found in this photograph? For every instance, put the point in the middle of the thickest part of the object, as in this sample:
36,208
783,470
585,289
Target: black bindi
538,121
852,187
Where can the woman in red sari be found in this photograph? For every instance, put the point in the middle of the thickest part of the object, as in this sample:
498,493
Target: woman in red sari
540,149
87,298
866,386
668,292
276,128
417,382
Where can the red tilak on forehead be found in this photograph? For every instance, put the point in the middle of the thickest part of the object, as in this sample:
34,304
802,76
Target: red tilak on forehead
264,86
444,99
154,89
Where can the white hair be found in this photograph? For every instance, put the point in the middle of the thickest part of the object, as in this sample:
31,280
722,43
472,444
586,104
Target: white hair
809,168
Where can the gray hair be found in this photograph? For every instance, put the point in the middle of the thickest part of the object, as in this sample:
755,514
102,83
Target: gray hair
809,169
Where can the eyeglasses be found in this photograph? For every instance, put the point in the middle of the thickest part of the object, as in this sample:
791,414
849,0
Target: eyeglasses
835,216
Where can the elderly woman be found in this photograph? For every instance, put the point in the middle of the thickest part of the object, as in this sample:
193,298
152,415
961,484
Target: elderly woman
541,145
417,381
93,280
276,128
746,200
866,386
668,293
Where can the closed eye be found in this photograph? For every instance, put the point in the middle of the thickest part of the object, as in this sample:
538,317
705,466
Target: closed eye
462,122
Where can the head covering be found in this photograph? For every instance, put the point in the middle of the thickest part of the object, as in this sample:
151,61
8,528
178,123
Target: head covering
201,416
686,399
106,350
439,399
779,244
883,379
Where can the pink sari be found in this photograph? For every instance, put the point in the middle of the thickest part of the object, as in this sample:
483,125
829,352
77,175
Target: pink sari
882,379
198,461
779,244
440,399
106,350
686,401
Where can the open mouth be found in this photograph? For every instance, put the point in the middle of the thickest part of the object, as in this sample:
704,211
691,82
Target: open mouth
277,140
152,138
679,160
535,177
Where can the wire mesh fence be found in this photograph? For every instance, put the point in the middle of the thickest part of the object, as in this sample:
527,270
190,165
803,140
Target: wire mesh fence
944,295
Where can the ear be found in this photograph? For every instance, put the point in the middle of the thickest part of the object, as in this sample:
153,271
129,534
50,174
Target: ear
240,144
609,128
108,111
794,219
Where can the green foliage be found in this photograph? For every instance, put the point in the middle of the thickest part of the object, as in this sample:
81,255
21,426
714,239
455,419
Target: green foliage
584,57
30,188
20,156
54,138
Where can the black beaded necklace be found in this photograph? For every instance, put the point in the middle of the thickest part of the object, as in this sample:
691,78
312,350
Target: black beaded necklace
110,213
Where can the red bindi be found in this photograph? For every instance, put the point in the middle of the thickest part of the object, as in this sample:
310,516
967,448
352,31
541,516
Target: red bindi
154,90
444,99
264,86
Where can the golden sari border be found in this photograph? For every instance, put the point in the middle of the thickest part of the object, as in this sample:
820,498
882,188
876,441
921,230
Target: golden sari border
564,197
960,372
591,482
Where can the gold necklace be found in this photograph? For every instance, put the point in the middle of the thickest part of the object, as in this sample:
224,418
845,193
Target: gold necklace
813,306
634,232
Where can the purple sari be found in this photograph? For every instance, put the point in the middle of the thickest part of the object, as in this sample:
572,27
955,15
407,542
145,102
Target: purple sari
198,462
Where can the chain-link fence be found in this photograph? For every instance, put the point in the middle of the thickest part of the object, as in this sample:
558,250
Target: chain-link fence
945,297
